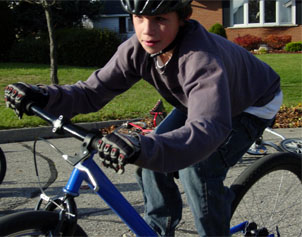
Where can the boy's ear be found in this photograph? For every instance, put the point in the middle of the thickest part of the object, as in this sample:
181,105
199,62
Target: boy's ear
188,17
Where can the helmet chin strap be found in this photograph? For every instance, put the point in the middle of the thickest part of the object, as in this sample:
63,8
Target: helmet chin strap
171,45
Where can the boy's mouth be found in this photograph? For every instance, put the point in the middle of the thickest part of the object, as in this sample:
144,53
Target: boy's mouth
150,43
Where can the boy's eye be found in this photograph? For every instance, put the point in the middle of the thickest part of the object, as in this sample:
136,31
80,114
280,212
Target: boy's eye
160,19
137,16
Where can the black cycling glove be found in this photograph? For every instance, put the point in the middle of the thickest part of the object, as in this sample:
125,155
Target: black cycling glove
116,150
19,96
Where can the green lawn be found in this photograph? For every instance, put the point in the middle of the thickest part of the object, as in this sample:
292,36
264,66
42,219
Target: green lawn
134,103
289,67
137,101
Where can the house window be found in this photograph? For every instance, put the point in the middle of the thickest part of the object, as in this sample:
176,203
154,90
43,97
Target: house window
249,13
285,11
254,11
122,25
270,11
125,25
130,25
238,11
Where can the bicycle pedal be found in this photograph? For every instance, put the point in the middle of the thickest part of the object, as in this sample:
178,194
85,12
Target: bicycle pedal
257,150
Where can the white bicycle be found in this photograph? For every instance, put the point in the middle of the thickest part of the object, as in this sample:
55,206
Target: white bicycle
293,145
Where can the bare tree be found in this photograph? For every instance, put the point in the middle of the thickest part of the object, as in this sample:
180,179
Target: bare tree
47,5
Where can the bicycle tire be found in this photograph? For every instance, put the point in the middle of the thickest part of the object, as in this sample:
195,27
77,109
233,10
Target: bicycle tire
2,165
259,198
292,145
33,223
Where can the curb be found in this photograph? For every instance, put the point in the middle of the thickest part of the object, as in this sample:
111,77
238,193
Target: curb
30,134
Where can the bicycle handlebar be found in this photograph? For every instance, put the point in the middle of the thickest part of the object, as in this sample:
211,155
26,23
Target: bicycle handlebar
61,125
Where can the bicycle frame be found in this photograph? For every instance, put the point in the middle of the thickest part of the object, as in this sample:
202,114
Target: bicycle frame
277,148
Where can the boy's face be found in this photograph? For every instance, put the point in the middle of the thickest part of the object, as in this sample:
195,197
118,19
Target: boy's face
155,33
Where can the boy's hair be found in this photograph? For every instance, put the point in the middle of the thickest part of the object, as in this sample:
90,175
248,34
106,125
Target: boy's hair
185,12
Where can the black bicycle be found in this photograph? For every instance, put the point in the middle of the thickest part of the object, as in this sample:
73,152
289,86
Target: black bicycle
269,196
2,165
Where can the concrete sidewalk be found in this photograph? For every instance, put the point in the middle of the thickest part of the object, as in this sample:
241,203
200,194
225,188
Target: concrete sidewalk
29,134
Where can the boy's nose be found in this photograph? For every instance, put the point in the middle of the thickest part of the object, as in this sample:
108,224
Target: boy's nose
149,27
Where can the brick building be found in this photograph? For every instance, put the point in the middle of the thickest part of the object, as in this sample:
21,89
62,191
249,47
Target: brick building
255,17
239,17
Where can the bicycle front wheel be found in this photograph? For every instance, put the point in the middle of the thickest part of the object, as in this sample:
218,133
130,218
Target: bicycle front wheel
269,194
2,165
33,223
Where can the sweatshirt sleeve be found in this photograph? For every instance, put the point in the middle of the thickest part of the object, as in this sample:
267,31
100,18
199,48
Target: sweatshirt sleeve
118,75
208,123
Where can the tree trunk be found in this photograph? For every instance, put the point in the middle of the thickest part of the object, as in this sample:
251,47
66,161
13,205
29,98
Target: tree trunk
52,46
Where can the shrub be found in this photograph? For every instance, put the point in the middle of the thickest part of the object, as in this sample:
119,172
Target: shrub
30,50
7,31
293,47
75,47
248,41
86,47
277,42
218,29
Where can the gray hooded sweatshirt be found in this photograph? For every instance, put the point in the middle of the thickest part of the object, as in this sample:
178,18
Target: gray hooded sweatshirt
208,77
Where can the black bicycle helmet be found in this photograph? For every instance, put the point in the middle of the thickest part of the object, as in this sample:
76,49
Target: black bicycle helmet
153,7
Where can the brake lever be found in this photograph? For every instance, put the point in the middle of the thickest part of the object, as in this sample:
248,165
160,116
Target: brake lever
84,153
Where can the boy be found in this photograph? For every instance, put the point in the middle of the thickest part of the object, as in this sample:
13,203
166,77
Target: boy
223,97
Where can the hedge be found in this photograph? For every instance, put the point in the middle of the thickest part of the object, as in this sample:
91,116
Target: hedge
218,29
75,47
277,41
293,47
30,50
86,47
248,41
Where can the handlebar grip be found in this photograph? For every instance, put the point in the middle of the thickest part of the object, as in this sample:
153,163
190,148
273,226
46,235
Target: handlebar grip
95,143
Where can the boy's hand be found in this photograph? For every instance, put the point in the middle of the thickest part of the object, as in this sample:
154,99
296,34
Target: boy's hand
116,150
19,96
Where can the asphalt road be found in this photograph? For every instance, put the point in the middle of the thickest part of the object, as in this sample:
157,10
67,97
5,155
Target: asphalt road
20,190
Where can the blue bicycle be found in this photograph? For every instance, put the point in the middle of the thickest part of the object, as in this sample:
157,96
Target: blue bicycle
57,216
